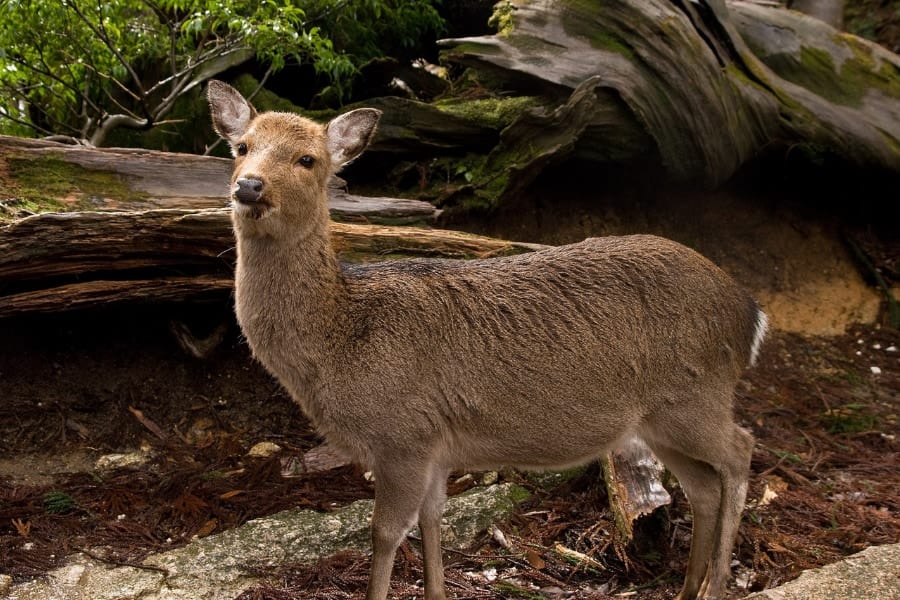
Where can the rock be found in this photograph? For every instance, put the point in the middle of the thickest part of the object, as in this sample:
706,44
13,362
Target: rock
872,573
108,462
264,450
215,566
490,478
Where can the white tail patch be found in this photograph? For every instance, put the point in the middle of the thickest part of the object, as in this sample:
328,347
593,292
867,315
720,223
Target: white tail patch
762,326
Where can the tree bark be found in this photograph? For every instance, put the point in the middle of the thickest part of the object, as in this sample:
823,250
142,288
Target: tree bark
156,230
76,177
829,11
700,91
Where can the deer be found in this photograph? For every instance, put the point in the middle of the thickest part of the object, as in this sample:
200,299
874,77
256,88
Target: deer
414,368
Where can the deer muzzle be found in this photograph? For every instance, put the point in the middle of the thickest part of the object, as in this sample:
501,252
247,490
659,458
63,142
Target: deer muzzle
248,191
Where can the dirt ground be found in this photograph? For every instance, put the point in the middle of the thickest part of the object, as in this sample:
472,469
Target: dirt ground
79,388
824,411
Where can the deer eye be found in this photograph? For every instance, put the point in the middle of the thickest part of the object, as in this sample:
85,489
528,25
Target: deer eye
306,161
241,149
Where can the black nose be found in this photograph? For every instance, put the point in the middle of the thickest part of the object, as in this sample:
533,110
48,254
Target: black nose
248,190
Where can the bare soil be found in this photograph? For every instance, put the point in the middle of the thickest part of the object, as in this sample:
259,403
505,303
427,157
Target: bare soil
82,386
823,407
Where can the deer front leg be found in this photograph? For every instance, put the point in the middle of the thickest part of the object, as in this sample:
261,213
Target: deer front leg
399,492
430,515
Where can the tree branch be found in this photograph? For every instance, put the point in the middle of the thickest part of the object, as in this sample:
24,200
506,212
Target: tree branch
100,32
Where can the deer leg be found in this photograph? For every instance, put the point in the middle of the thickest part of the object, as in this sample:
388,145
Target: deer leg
710,456
733,475
430,515
399,491
701,486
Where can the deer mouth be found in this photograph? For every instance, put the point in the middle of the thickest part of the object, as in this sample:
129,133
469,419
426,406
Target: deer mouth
251,209
256,210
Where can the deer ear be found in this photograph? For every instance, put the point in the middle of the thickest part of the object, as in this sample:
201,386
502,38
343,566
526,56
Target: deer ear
349,134
231,113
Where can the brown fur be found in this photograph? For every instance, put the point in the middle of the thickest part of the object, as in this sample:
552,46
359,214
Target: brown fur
415,368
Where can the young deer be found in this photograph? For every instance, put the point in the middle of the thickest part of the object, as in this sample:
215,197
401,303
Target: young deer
417,367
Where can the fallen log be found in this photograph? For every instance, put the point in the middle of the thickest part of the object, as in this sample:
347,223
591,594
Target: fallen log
39,175
64,261
633,478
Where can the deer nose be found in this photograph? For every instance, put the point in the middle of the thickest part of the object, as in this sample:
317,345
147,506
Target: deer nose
248,190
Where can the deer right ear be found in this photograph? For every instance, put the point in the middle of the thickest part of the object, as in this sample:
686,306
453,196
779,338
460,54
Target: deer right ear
347,135
231,113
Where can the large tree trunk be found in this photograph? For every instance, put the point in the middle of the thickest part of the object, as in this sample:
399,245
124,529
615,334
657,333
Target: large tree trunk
829,11
676,83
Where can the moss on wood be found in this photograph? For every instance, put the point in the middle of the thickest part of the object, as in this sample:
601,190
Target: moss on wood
502,17
495,113
48,183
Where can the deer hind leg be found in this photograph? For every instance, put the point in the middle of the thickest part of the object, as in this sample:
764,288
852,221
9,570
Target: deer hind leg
400,489
711,459
701,486
734,475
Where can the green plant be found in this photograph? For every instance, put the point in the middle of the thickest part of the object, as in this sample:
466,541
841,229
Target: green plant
788,456
59,503
850,418
124,64
510,590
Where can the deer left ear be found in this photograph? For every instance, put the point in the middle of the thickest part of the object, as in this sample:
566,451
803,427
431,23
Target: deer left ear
348,134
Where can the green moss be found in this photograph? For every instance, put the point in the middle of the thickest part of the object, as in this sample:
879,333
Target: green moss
847,83
507,589
470,47
536,47
605,40
518,494
502,18
42,181
59,503
583,21
11,206
495,113
549,480
850,418
213,475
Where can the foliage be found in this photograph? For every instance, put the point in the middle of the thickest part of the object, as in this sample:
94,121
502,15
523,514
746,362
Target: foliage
366,29
59,502
125,63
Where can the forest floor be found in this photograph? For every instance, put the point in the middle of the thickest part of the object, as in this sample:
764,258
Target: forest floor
825,482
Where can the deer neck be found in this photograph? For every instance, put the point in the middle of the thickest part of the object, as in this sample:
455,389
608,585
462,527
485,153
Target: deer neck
289,297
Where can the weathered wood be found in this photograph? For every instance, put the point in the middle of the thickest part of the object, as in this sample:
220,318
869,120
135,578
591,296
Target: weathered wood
62,261
412,127
136,179
323,457
671,79
377,209
829,11
633,477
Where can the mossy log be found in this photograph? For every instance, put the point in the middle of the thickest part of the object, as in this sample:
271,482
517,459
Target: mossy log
677,83
61,261
40,176
412,127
